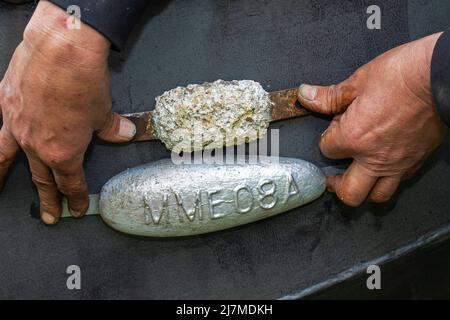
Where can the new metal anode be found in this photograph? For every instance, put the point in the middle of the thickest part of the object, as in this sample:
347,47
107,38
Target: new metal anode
162,199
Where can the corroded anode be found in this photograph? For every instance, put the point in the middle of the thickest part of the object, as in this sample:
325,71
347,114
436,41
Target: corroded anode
162,199
212,114
215,114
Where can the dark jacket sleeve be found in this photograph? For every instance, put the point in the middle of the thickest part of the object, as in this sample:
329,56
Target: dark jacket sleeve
113,18
440,76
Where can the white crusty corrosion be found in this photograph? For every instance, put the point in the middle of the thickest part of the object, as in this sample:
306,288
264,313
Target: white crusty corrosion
211,115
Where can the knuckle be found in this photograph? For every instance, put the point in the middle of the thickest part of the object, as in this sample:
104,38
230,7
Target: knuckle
56,158
353,138
26,142
380,196
347,90
107,124
46,204
72,188
27,33
354,134
108,120
9,98
4,159
383,164
42,182
328,145
384,157
349,198
359,74
332,98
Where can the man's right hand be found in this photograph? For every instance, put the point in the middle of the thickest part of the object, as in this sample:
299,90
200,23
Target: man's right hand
53,97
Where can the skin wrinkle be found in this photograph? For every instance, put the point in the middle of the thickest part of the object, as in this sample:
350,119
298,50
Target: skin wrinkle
61,60
65,71
408,87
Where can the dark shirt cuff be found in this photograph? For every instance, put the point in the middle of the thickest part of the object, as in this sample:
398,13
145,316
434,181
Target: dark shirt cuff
440,76
113,18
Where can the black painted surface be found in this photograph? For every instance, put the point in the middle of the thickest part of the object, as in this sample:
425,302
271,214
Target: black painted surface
422,274
280,44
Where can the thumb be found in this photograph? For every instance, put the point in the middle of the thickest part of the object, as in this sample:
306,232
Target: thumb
330,100
117,129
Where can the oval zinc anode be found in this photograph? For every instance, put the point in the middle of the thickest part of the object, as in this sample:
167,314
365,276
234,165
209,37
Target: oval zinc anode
162,199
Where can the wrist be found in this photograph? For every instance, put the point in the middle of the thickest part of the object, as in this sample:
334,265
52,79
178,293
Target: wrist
425,52
440,77
415,67
49,31
429,45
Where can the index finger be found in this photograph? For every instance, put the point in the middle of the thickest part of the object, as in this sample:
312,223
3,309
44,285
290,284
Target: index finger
8,151
49,197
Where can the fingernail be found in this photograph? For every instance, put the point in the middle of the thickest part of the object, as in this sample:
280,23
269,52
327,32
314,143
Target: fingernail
308,92
324,133
75,213
48,218
127,128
